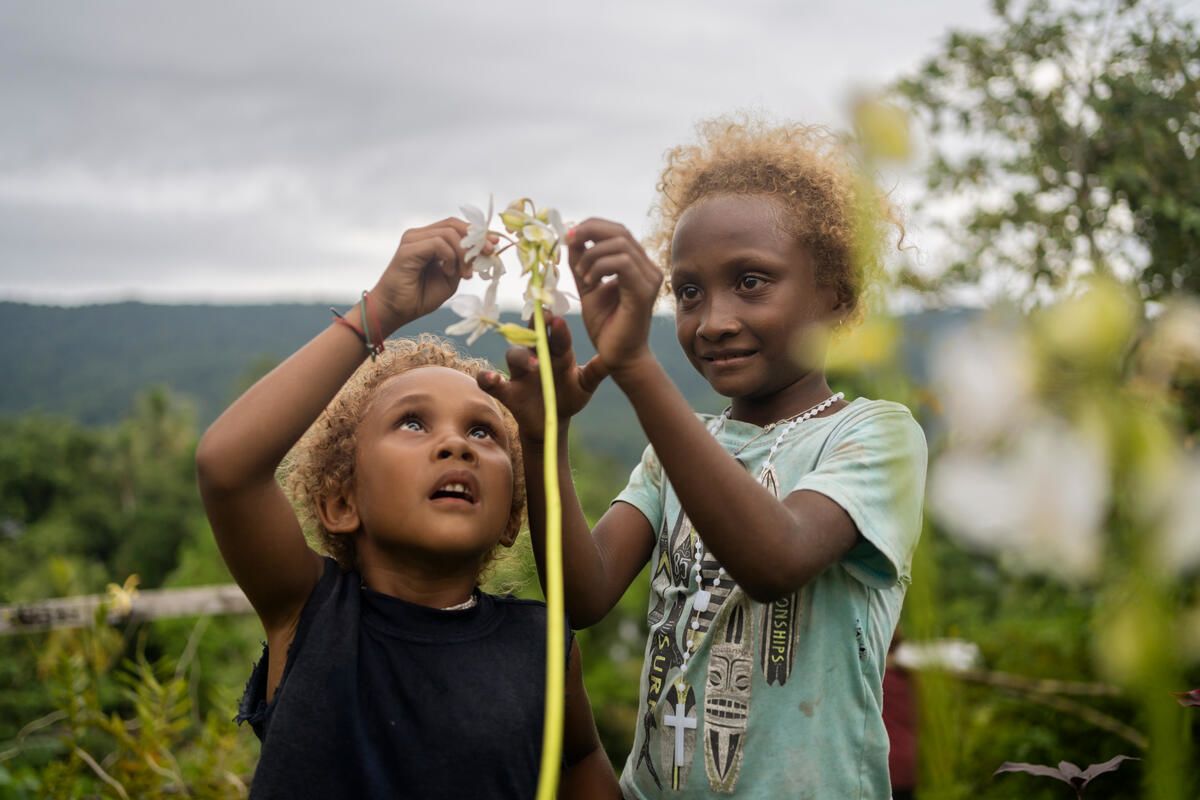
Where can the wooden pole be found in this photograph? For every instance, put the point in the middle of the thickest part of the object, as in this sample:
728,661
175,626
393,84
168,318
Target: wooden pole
77,612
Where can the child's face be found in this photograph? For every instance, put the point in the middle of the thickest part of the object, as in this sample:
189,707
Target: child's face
433,473
745,290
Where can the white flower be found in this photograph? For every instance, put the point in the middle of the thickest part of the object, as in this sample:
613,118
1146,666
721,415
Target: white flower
478,315
1178,545
477,231
514,217
488,266
547,294
983,377
952,655
1041,505
538,231
560,232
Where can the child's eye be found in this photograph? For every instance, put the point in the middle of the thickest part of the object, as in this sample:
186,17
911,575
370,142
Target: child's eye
410,423
482,432
687,293
751,282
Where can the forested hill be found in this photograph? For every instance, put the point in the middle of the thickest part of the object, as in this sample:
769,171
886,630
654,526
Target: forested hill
89,362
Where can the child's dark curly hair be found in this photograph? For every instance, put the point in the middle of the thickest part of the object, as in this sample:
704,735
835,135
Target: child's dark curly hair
322,462
839,216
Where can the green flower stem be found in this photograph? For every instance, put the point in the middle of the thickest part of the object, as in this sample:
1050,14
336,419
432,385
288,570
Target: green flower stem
555,660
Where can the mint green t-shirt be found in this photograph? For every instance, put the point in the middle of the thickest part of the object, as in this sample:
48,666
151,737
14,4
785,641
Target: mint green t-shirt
780,700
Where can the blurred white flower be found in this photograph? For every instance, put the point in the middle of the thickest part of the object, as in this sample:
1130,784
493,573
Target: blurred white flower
952,655
1175,339
478,315
1178,546
1040,504
983,377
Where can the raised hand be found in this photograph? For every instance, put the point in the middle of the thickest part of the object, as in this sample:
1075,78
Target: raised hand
522,391
618,286
423,273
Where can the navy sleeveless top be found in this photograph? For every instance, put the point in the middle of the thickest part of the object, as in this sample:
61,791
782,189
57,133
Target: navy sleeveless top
384,698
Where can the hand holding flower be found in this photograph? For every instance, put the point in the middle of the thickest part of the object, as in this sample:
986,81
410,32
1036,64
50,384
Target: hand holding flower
423,274
521,392
537,403
618,287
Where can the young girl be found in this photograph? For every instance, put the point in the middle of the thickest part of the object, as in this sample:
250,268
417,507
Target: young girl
387,673
780,533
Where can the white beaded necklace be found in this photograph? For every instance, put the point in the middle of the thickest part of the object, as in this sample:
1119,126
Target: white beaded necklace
463,606
700,605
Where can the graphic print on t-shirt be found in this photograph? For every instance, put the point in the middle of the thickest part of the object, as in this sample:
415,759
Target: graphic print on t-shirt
727,695
780,626
664,654
731,660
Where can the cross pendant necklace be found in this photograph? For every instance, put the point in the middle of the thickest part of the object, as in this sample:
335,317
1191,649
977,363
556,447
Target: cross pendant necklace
681,723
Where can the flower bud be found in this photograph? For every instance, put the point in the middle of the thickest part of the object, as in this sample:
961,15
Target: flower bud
517,334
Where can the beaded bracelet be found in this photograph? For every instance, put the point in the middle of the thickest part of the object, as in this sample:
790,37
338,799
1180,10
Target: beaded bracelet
374,344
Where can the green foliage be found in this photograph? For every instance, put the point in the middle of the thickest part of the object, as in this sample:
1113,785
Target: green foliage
209,354
121,497
126,728
1070,131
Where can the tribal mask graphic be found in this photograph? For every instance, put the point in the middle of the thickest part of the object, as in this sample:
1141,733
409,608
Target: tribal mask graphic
727,695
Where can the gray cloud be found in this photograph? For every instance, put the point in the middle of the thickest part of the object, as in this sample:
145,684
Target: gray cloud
262,149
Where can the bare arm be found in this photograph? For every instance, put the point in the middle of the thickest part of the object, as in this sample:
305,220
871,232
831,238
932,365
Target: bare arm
588,774
598,565
770,547
256,529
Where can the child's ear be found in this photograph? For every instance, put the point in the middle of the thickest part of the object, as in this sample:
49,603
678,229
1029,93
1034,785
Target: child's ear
510,536
840,310
338,513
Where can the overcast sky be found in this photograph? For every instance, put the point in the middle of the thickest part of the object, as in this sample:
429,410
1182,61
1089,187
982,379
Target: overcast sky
264,151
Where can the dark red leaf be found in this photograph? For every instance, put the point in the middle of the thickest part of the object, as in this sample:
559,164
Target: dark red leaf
1108,766
1069,771
1032,769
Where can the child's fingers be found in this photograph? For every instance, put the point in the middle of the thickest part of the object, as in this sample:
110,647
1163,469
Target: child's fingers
521,363
450,235
592,374
460,225
436,250
591,232
582,267
560,337
494,384
629,273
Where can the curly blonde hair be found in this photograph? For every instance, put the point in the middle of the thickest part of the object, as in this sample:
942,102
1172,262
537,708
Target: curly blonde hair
829,205
322,463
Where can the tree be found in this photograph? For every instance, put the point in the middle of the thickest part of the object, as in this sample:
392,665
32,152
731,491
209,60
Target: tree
1064,143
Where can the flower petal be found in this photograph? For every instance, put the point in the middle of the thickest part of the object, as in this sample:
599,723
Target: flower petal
465,305
474,216
479,331
490,309
462,326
